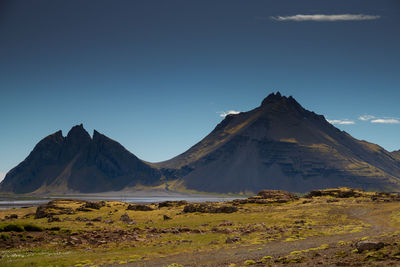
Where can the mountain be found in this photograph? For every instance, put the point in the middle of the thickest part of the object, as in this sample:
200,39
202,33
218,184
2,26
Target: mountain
78,163
280,145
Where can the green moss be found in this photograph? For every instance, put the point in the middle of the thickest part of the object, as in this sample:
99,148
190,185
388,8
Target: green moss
249,262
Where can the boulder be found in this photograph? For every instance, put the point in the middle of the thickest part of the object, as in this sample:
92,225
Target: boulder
369,245
165,217
126,219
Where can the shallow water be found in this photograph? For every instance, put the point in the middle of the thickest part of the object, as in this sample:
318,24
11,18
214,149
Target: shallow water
12,203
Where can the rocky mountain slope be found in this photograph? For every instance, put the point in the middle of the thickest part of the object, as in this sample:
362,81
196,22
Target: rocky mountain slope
78,163
280,145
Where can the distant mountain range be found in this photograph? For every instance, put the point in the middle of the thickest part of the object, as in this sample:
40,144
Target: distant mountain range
278,145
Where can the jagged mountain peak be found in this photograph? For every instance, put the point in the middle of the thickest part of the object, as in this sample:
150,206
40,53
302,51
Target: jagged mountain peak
275,102
78,132
78,163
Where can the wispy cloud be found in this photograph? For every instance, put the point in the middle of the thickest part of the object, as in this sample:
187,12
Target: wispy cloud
223,114
342,122
386,121
322,17
382,120
366,117
2,175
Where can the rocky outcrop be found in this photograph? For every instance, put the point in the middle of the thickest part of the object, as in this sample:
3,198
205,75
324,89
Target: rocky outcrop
209,208
78,163
337,192
139,207
91,205
172,203
268,197
50,209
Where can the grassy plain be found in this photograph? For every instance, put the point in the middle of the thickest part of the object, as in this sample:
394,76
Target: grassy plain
294,233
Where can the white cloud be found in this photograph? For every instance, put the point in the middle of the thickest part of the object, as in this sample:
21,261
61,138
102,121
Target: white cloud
321,17
341,122
386,121
223,114
2,175
366,117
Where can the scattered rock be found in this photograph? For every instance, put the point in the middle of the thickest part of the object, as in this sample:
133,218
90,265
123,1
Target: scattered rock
81,219
139,207
97,219
53,219
126,219
221,230
369,245
230,240
165,217
226,223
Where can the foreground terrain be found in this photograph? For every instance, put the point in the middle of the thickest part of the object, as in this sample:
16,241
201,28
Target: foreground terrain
339,227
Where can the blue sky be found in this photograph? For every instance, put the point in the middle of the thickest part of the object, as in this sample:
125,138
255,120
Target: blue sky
155,75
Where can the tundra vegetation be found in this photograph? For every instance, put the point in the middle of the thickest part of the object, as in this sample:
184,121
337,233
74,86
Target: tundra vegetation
333,227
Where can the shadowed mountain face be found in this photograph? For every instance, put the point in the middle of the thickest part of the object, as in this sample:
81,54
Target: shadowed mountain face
78,163
280,145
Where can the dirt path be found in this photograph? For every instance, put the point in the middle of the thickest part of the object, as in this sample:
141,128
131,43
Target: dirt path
226,256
